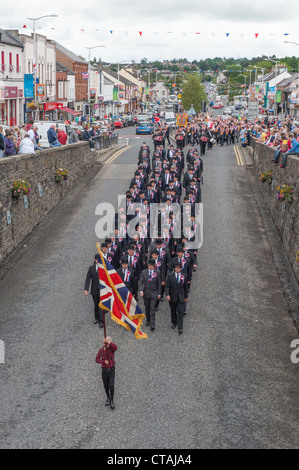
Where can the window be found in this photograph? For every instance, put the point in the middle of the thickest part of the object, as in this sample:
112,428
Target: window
10,62
18,62
2,61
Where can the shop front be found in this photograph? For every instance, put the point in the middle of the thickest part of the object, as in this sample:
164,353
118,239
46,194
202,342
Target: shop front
11,98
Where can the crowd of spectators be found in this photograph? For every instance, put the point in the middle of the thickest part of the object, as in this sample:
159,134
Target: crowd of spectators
25,139
283,136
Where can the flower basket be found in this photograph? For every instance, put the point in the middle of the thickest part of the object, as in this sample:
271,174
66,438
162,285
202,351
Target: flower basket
285,193
61,174
266,176
20,187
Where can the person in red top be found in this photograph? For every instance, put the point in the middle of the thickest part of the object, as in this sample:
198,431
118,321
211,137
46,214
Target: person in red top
105,357
61,136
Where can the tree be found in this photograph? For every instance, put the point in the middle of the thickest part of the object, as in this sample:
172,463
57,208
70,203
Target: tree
193,93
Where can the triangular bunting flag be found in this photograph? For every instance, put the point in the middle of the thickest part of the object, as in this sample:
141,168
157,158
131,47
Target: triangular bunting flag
227,34
140,33
256,35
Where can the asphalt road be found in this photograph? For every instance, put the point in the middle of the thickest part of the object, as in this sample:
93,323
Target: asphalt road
227,382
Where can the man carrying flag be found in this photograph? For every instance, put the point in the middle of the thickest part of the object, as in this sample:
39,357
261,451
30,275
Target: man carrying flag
117,299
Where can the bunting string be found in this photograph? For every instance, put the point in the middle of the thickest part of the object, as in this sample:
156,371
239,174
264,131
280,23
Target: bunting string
141,33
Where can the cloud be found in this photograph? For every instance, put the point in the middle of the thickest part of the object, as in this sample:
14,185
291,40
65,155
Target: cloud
206,17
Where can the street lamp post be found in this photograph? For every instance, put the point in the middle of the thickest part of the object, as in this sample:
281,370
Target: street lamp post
35,51
297,44
275,62
88,78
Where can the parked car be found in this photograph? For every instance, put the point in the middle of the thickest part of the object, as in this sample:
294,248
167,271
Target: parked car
129,120
144,127
118,123
227,111
218,106
43,127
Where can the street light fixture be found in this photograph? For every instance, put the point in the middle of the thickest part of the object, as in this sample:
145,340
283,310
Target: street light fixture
35,51
275,62
297,44
88,73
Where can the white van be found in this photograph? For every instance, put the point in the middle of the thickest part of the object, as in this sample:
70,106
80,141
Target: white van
43,127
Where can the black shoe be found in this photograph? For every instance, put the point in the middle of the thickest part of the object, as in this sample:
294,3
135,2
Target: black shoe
95,322
180,332
173,326
152,328
101,324
275,161
107,402
112,406
147,323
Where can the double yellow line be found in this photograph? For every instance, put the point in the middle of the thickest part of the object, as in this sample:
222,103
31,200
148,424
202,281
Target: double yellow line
117,154
239,156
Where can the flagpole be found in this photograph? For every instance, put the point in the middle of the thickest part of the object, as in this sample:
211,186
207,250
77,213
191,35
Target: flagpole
104,322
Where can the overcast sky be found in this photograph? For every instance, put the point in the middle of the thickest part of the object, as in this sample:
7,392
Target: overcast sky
168,27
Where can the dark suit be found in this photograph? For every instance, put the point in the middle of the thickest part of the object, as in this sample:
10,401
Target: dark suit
151,289
178,292
131,283
93,277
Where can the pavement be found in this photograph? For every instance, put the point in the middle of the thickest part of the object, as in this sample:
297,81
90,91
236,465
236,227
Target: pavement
227,382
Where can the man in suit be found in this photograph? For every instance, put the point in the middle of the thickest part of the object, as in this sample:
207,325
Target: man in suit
126,276
150,289
93,277
176,289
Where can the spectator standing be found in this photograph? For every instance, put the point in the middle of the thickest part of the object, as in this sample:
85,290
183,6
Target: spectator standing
2,145
10,148
22,132
62,136
74,136
52,137
26,145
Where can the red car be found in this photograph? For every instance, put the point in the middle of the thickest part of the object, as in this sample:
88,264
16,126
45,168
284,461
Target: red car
118,123
218,106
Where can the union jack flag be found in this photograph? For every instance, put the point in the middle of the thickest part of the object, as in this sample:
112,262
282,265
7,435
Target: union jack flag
117,299
85,75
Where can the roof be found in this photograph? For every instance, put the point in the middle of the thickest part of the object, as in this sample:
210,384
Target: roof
62,68
287,81
120,78
7,38
74,57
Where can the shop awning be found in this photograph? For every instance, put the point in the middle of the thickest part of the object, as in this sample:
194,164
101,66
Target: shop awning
70,111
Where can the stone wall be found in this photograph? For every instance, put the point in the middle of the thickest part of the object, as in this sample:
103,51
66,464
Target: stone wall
285,215
39,171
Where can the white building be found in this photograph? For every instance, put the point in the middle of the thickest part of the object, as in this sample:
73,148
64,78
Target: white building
11,80
161,92
45,65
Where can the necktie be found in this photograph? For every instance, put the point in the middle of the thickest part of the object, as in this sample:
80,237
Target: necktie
177,279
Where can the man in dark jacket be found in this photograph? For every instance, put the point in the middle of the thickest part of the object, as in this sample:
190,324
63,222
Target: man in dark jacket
176,289
52,137
150,289
93,277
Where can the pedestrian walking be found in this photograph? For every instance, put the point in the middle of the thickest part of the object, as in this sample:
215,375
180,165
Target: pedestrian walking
150,289
93,278
176,289
105,357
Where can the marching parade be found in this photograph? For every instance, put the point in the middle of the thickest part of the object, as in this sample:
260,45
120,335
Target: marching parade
149,250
